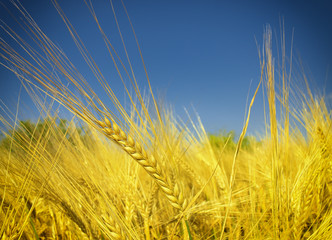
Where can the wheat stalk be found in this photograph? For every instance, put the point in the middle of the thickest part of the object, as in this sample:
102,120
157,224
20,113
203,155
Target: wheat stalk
112,225
149,163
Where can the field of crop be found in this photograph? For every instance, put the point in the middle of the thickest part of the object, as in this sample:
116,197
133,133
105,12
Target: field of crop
114,173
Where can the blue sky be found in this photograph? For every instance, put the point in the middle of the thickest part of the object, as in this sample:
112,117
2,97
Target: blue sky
199,54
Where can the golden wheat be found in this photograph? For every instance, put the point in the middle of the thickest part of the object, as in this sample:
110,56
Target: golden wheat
79,181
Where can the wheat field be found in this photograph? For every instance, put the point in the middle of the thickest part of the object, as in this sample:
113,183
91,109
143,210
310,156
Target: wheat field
113,172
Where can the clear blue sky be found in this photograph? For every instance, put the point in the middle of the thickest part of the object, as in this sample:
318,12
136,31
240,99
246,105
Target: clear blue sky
198,53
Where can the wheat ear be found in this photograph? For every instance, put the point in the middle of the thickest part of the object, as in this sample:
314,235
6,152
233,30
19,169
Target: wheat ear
149,163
